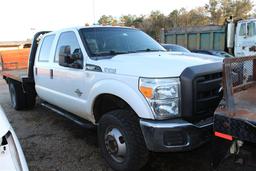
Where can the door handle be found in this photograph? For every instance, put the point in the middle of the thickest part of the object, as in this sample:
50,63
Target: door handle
51,73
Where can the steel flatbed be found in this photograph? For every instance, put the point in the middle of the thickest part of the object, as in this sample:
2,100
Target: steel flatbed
15,74
241,124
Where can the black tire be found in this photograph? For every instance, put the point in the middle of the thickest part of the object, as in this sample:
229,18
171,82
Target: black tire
18,98
127,123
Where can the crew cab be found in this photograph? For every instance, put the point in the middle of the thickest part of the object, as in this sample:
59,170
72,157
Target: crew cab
140,97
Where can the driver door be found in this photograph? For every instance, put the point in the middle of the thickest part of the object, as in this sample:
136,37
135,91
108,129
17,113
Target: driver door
68,78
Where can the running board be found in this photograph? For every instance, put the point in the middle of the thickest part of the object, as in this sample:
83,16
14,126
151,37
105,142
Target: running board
76,119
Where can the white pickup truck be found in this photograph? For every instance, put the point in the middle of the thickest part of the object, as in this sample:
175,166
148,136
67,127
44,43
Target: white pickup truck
140,97
11,154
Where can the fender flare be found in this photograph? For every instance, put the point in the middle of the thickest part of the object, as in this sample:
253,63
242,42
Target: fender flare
124,92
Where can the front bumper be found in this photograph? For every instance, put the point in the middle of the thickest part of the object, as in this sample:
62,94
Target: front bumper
175,135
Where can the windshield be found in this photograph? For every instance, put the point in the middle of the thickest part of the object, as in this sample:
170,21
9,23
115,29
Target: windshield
106,41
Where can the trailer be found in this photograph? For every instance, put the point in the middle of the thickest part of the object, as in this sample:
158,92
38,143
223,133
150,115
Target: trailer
235,117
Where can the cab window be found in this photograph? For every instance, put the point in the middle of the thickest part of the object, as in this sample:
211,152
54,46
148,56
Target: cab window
242,31
45,50
68,52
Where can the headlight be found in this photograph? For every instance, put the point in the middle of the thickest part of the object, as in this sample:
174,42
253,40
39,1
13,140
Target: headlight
163,96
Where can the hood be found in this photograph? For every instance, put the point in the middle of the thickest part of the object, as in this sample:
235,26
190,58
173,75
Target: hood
4,123
154,64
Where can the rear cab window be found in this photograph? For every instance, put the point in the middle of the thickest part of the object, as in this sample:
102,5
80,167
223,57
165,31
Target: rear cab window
45,49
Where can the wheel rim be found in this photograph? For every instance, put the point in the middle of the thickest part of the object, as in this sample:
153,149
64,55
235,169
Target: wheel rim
13,97
115,144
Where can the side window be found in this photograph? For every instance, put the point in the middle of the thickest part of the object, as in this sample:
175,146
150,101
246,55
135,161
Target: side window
68,51
251,29
242,31
45,50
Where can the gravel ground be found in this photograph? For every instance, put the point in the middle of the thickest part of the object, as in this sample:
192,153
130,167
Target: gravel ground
53,143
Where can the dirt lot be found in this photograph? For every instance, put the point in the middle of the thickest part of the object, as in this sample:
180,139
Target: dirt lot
52,143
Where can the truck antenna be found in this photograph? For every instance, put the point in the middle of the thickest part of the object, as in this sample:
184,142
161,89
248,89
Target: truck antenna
93,8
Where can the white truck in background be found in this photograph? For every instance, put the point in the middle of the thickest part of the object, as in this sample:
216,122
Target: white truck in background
140,97
235,37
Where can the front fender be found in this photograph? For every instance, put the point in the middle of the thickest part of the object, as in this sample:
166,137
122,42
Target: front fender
131,96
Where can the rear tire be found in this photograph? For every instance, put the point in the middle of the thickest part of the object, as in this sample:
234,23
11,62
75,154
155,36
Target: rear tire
18,99
121,140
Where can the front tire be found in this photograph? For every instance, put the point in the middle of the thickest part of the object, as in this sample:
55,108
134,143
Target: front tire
121,140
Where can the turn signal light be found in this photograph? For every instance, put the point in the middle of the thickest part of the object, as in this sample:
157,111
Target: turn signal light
147,92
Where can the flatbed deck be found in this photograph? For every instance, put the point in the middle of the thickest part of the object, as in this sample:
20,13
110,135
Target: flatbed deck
241,122
245,108
15,74
245,104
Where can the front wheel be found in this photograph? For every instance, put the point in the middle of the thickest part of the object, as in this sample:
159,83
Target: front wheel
121,140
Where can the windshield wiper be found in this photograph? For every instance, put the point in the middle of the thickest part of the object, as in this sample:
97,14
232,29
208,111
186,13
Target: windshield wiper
113,52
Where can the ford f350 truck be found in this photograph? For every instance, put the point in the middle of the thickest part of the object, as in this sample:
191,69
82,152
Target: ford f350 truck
140,97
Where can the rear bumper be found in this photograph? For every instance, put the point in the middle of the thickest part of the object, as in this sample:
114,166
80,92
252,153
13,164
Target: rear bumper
174,135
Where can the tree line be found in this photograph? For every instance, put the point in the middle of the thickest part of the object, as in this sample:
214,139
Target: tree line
215,12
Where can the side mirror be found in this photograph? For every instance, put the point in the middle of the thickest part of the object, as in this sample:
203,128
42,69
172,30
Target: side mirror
65,55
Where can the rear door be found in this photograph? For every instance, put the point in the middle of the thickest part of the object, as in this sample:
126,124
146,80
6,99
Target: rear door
68,81
42,67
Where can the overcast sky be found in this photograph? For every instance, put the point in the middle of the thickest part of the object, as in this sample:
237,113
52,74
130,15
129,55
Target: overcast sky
20,18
